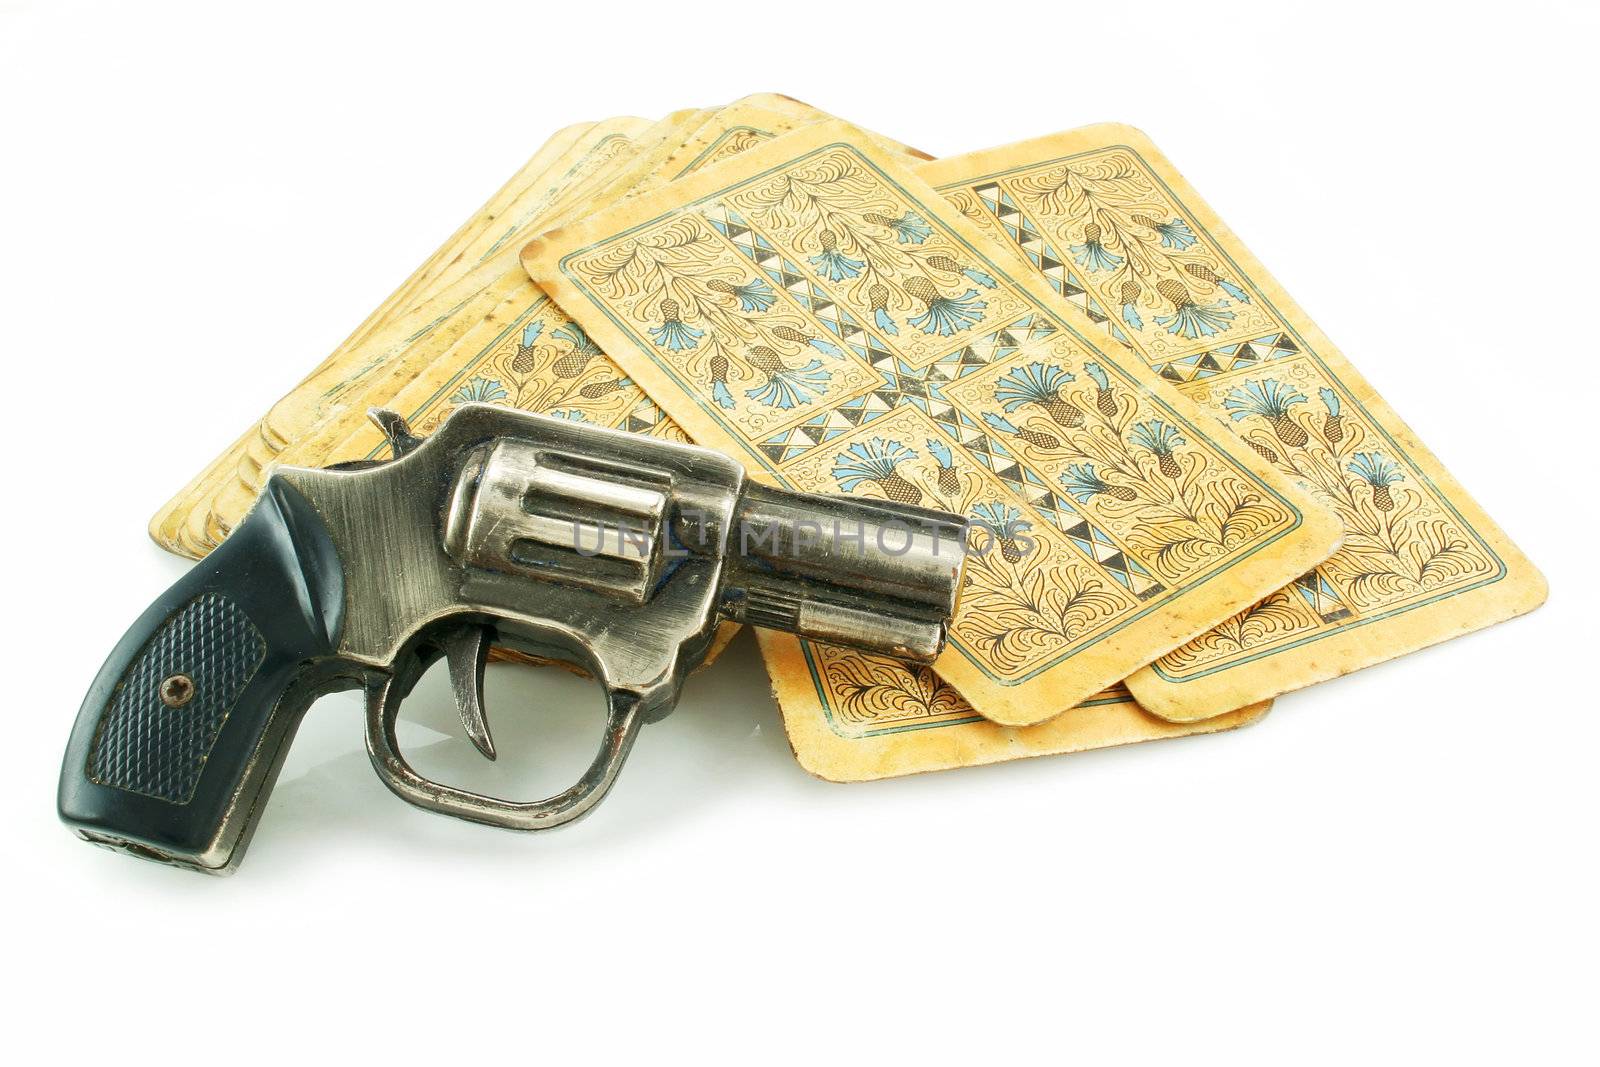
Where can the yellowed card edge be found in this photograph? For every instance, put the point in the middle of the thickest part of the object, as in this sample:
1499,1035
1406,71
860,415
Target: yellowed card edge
835,757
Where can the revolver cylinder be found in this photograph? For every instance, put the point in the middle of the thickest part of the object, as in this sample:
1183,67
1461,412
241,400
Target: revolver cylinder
553,516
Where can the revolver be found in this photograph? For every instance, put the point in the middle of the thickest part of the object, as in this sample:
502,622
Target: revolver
613,552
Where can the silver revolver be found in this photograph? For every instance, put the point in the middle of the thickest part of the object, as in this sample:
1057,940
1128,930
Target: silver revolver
613,552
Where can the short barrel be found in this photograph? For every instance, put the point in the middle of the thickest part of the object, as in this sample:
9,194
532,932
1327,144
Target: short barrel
872,574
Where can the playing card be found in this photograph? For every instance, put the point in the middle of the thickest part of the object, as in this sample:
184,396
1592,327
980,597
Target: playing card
1116,230
190,523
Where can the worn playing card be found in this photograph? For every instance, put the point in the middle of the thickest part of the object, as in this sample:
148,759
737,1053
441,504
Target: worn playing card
814,309
448,303
860,729
515,295
443,301
169,523
1114,227
190,523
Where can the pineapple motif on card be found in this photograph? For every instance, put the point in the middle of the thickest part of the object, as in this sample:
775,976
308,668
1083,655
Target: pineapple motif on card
1103,229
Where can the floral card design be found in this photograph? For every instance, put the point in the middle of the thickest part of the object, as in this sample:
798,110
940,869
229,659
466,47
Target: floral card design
815,311
1108,222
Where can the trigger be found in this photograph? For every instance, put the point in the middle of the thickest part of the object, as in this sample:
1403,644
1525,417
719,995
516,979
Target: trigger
395,429
465,651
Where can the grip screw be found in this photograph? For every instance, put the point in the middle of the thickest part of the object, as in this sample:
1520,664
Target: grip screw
176,690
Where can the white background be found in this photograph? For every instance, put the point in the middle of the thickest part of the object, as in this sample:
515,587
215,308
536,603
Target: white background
199,201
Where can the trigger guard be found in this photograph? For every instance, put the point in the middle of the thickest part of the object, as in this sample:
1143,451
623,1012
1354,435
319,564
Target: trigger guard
623,719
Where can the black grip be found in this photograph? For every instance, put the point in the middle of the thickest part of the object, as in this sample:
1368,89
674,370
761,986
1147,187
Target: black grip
186,725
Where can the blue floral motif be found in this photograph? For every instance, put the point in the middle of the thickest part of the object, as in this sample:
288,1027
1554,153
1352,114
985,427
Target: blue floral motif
1083,482
672,333
1037,383
1194,320
1270,399
789,387
1161,440
948,478
947,315
675,335
885,323
869,461
1128,295
1380,473
835,266
479,390
1002,520
1154,435
1375,469
1092,255
719,380
910,228
1098,373
754,295
570,414
1175,234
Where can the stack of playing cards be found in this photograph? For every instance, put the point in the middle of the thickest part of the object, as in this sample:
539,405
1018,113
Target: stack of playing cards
1185,500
